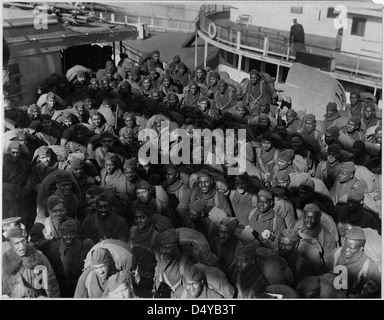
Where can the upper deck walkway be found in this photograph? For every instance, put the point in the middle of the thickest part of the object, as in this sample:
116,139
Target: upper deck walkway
272,45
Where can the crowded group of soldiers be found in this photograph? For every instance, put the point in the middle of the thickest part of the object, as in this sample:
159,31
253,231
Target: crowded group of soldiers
78,200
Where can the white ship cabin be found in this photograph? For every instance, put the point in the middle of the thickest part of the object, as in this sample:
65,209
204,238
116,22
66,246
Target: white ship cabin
342,39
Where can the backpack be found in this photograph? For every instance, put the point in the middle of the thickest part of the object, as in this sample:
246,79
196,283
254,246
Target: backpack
195,246
268,79
120,252
216,281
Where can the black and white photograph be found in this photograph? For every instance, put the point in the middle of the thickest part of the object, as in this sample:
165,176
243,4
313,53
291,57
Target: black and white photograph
178,154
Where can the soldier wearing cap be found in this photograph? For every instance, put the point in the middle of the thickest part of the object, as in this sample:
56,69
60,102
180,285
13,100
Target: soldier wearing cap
346,182
226,244
360,268
369,118
247,278
105,224
199,220
26,272
355,214
145,195
328,170
67,256
315,239
307,194
50,105
225,96
195,286
255,90
332,116
213,79
306,151
112,176
93,281
171,264
144,244
283,167
355,107
242,200
173,186
266,156
65,184
293,124
46,162
264,220
206,190
352,130
288,244
17,184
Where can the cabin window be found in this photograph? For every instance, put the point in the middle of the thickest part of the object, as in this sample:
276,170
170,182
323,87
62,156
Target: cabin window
358,26
298,10
254,64
331,13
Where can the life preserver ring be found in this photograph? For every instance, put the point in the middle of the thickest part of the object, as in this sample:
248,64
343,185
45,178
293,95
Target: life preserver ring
212,30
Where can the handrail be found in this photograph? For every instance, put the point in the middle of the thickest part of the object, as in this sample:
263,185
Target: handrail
275,46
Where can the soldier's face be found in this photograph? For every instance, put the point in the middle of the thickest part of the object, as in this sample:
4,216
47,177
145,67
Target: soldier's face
143,195
264,204
267,145
296,143
65,188
205,184
69,237
58,212
142,221
351,248
354,99
310,126
329,139
168,251
351,127
244,264
203,105
130,174
101,270
102,209
171,176
19,246
224,234
15,154
45,160
368,112
345,176
147,84
254,78
194,287
286,246
290,118
311,219
193,89
222,88
166,83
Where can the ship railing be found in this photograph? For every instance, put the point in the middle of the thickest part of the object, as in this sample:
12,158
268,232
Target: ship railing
274,45
154,23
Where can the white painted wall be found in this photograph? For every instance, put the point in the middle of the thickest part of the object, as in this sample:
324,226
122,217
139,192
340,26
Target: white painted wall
277,15
372,42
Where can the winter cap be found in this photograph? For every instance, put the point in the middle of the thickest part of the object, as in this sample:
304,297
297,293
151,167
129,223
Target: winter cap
100,256
168,236
53,201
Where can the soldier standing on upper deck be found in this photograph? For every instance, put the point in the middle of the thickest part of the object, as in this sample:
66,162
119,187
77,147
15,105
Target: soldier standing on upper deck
297,37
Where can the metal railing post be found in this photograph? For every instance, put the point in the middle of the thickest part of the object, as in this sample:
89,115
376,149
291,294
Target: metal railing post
266,46
238,40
